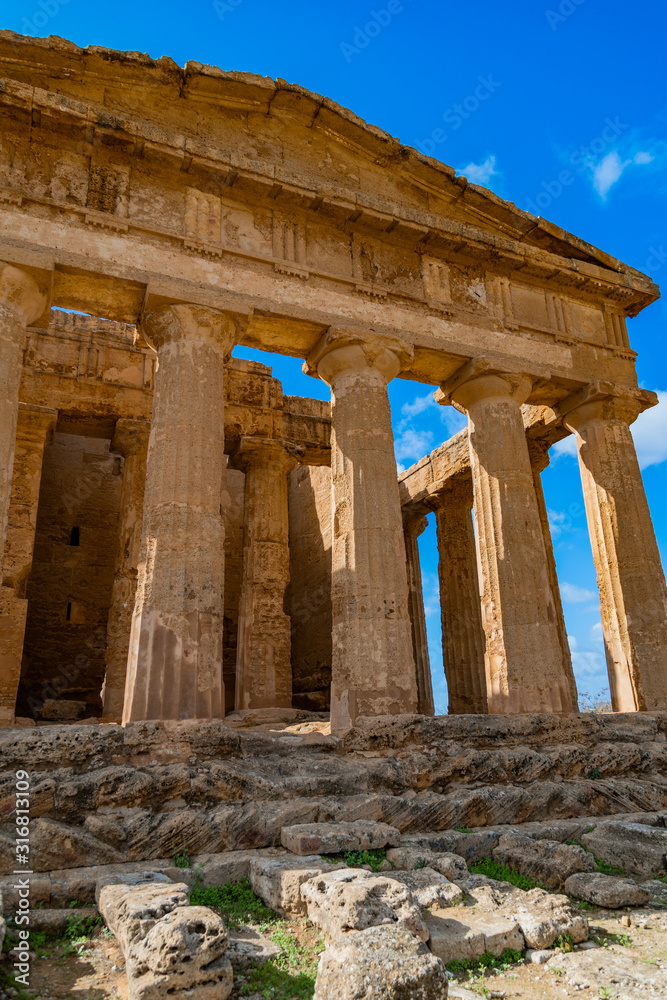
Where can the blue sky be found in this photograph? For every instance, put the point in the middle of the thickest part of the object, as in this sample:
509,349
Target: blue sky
572,120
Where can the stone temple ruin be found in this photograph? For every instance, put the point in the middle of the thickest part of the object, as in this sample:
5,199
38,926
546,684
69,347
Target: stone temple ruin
184,544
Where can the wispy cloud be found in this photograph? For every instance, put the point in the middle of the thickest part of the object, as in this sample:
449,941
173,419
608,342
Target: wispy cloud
611,167
572,594
650,434
412,444
480,173
415,437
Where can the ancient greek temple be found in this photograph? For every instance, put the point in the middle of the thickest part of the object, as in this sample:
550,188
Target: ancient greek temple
181,539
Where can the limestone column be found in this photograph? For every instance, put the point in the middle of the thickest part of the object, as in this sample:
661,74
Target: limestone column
35,426
539,460
263,660
130,439
414,524
525,668
174,666
373,670
463,640
631,580
21,302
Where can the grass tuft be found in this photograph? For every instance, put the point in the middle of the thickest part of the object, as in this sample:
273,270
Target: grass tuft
236,903
503,873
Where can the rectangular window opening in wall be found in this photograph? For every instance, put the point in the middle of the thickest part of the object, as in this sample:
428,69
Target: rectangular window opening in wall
68,616
75,538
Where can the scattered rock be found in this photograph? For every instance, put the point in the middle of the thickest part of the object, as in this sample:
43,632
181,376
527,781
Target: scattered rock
429,887
464,932
606,890
278,880
452,866
331,838
407,858
537,956
634,847
354,899
546,861
380,963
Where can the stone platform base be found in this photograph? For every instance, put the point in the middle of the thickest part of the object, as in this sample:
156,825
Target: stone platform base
101,794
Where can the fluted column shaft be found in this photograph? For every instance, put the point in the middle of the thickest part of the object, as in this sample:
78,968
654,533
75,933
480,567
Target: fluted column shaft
539,460
631,580
373,670
463,640
175,657
34,430
413,526
263,660
21,302
525,669
130,439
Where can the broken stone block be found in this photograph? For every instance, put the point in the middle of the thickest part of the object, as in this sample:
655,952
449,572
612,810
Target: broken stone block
170,948
633,847
452,866
355,899
544,916
331,838
380,963
429,887
606,890
465,932
546,861
406,858
278,880
182,955
536,956
151,878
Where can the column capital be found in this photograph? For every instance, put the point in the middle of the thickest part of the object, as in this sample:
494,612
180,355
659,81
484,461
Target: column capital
130,436
346,350
183,321
414,522
20,294
604,401
458,490
253,451
487,376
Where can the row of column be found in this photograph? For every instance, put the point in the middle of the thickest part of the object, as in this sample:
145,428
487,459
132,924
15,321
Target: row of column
518,661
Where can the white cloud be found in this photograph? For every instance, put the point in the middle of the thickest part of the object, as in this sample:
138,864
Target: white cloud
572,594
567,446
650,434
419,404
596,632
412,445
610,169
572,641
589,664
480,173
558,521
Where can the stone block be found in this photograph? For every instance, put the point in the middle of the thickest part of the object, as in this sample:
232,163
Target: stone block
355,899
331,838
429,887
606,890
147,878
464,932
278,880
247,946
634,847
380,963
544,916
546,861
408,858
452,866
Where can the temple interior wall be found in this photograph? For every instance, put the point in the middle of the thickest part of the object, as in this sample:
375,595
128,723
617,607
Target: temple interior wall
69,589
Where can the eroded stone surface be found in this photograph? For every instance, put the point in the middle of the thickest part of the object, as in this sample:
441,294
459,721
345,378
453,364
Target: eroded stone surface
278,881
613,970
355,899
380,963
546,861
429,887
606,890
331,838
463,932
633,847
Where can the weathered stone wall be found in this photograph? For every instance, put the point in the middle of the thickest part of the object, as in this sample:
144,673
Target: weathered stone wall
309,593
64,657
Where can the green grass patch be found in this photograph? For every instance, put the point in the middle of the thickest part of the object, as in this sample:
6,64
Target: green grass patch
356,859
503,873
477,966
236,902
565,942
602,866
463,829
289,976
